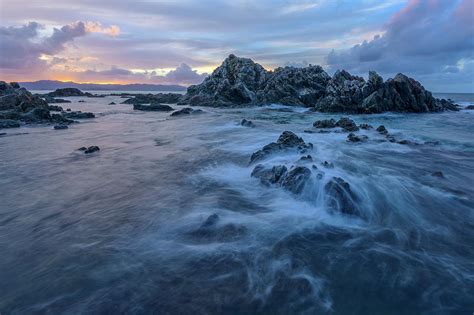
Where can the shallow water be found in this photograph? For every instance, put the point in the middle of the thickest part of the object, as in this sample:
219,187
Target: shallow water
117,231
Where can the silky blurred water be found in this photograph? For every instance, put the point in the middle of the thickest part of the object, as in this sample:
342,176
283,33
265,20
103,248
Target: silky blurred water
115,231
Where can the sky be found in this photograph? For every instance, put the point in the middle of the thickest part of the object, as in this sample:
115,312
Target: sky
180,42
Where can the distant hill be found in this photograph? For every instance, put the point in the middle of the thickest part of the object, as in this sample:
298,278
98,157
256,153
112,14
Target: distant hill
53,85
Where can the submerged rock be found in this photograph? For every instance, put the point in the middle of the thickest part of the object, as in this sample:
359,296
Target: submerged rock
365,126
340,196
347,124
247,123
91,149
269,176
326,123
153,108
60,127
213,231
78,115
381,129
167,98
186,111
438,174
112,103
287,140
353,138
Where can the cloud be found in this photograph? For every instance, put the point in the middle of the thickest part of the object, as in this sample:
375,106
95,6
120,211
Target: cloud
424,38
22,47
96,27
183,75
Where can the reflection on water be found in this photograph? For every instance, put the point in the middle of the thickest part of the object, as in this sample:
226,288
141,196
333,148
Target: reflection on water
131,228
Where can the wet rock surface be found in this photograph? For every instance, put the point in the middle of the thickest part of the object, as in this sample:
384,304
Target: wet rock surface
89,150
212,230
60,127
340,197
287,140
153,108
247,123
186,111
167,98
17,106
78,115
242,82
293,180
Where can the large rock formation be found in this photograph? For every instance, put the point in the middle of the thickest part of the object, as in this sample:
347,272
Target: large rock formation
241,82
18,105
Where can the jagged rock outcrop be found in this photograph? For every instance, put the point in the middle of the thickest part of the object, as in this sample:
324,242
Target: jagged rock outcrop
153,108
287,141
67,92
293,180
242,82
18,105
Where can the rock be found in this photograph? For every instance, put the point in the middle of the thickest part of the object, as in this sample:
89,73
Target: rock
81,101
347,124
68,110
408,142
9,123
381,129
91,149
60,127
247,123
365,126
287,140
340,197
66,92
112,103
19,105
470,107
438,174
55,108
296,179
326,123
242,82
186,111
82,149
327,164
78,115
153,108
269,176
211,230
167,98
353,138
307,158
52,100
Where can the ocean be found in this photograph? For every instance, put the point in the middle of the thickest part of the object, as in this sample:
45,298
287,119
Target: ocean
115,231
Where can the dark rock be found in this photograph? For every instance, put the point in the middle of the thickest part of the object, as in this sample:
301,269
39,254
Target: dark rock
60,127
112,103
91,149
66,92
327,164
438,174
81,101
307,158
15,85
287,140
167,98
340,197
82,149
269,176
52,100
8,123
365,126
211,231
153,108
326,123
55,108
186,111
406,142
68,110
381,129
242,82
347,124
353,138
296,179
469,107
247,123
78,115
